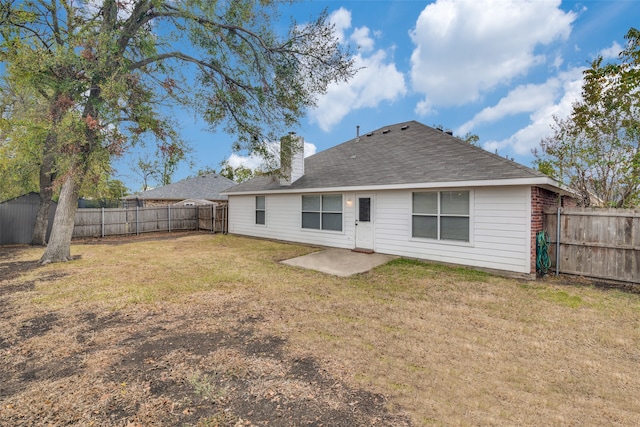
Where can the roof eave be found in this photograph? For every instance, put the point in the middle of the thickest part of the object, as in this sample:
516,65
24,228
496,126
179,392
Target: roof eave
542,181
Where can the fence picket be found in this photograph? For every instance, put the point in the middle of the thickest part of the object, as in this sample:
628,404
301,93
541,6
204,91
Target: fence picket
596,243
117,221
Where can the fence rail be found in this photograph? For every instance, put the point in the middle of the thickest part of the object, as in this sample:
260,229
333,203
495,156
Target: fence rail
597,243
116,221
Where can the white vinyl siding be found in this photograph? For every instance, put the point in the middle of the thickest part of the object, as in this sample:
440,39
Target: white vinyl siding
283,222
499,226
499,230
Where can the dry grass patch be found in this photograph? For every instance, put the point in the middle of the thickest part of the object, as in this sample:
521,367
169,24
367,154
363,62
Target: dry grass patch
212,330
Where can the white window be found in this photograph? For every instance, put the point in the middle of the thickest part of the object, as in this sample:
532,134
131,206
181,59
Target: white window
260,210
322,212
441,215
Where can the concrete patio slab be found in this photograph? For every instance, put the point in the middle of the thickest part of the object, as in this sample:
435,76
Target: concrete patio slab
339,262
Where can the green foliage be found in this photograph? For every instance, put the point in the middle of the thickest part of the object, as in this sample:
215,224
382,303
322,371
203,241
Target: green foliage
238,174
21,131
159,170
472,139
116,67
596,149
105,68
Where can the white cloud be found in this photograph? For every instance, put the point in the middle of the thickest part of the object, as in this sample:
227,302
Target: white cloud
341,20
522,99
375,82
463,48
567,86
611,52
424,107
557,61
257,162
362,39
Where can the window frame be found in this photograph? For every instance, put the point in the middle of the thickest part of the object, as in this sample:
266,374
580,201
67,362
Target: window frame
439,215
321,212
263,210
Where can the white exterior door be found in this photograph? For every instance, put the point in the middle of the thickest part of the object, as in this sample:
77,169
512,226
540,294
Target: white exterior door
364,221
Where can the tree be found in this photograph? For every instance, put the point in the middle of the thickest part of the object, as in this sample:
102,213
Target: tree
238,174
19,142
170,157
107,67
596,149
146,170
161,168
471,138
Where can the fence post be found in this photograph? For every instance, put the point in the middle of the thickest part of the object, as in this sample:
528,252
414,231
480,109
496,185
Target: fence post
225,219
137,223
558,243
169,215
102,222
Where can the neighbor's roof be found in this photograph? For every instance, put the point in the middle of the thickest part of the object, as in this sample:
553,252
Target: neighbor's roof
207,187
399,156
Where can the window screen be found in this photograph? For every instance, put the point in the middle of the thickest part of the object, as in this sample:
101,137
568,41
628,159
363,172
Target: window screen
441,215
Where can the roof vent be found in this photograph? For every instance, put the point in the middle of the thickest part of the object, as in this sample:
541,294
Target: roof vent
386,131
370,134
449,132
405,127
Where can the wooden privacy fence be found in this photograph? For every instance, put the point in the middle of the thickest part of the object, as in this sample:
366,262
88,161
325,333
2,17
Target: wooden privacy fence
115,221
595,242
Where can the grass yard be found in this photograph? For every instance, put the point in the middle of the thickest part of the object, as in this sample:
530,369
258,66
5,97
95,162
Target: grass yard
211,330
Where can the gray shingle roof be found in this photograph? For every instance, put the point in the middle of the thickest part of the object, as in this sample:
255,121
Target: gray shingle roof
207,187
404,153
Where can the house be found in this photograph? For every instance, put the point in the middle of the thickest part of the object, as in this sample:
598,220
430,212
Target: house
196,191
408,190
18,219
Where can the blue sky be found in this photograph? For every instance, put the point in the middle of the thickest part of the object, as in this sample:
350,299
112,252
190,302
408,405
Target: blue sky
500,69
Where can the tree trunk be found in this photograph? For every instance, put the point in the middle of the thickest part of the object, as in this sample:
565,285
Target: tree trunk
46,192
59,247
56,113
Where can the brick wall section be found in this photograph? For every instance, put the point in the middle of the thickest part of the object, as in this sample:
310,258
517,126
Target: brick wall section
540,199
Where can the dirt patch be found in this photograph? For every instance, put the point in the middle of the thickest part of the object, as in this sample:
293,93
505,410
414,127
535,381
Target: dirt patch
12,270
145,366
571,280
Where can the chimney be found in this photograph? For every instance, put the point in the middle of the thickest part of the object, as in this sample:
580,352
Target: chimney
291,159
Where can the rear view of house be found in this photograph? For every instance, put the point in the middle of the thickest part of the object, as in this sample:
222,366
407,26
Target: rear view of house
405,189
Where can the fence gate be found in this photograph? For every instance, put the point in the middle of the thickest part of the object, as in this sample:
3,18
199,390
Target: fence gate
213,218
595,242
